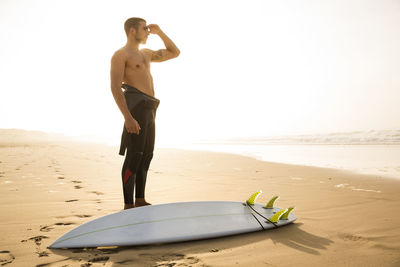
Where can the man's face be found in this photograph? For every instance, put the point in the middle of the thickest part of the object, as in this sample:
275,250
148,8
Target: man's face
142,33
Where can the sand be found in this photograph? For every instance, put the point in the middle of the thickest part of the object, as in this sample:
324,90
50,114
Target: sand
49,185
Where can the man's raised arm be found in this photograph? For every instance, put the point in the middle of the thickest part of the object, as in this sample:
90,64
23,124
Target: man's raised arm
117,75
171,50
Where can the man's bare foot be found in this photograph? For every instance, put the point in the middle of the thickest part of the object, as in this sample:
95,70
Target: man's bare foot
141,202
128,206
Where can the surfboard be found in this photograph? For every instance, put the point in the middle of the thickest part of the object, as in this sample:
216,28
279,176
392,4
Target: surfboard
176,222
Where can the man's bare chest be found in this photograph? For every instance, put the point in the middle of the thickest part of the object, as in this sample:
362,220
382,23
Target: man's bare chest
137,62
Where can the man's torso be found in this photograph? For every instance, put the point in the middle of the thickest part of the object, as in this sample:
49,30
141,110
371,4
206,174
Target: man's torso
137,70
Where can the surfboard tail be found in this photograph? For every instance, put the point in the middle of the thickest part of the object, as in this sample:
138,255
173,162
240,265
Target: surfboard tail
285,216
275,218
270,204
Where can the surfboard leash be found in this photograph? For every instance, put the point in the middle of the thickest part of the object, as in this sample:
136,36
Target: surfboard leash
256,219
276,226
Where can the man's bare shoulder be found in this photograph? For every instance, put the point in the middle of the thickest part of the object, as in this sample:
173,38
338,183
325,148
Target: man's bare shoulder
120,54
147,51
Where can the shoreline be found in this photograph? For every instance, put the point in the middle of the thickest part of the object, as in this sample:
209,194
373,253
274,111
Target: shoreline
48,189
17,137
359,157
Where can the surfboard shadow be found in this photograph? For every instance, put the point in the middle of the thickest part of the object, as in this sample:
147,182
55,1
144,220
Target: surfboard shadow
289,235
296,238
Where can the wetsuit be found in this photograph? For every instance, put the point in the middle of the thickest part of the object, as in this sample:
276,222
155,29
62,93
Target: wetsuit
140,147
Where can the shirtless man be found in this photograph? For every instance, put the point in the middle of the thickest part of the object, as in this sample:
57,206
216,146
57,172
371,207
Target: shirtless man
130,70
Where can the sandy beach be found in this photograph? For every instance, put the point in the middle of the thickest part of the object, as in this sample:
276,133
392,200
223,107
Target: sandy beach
49,185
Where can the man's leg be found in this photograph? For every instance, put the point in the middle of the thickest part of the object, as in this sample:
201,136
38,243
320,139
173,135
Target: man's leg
129,173
141,177
141,174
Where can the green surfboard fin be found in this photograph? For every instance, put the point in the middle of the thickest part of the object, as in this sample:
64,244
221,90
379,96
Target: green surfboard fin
253,198
285,216
270,204
275,218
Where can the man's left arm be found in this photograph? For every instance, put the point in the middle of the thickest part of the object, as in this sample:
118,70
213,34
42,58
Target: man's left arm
171,50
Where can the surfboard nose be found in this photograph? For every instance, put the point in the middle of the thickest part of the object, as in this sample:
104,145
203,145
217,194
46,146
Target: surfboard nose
57,243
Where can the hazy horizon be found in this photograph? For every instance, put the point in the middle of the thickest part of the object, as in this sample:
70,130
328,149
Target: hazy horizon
257,69
357,138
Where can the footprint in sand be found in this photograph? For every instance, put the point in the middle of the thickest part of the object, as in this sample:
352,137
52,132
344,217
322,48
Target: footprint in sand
173,260
351,237
78,187
191,260
42,253
96,192
46,228
76,182
127,262
79,216
37,239
6,257
67,223
83,216
60,177
95,256
103,259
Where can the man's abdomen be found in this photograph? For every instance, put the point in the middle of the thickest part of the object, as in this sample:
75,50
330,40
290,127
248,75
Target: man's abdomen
143,83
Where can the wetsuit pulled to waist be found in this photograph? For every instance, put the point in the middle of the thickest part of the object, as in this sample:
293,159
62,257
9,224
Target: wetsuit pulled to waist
134,97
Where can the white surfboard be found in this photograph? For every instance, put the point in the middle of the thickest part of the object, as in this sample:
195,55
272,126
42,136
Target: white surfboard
175,222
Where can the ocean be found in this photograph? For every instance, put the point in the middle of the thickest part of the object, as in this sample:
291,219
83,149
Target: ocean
366,152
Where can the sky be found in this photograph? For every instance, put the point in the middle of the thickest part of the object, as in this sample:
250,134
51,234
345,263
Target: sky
246,69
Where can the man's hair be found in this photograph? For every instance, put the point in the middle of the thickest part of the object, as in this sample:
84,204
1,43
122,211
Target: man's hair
132,23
